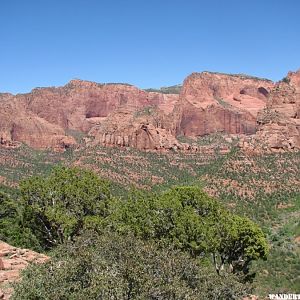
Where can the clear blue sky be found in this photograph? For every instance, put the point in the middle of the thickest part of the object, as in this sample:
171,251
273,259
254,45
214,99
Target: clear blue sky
149,43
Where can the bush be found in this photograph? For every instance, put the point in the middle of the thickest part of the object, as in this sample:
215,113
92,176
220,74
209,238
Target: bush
286,80
122,267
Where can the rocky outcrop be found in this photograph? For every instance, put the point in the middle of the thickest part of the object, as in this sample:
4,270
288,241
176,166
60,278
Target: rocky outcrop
144,130
12,261
214,102
43,118
20,125
125,116
208,103
80,105
279,123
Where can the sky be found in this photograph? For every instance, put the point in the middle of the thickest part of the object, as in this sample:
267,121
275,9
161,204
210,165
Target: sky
148,43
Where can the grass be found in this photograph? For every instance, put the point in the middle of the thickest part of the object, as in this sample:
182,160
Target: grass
223,103
77,135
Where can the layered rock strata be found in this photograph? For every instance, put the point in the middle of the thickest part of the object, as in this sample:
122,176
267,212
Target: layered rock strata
125,116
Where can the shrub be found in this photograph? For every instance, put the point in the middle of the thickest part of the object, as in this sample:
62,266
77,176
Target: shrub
122,267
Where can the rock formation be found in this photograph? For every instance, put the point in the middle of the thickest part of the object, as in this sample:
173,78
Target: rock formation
213,102
20,124
279,122
125,116
12,261
125,130
45,117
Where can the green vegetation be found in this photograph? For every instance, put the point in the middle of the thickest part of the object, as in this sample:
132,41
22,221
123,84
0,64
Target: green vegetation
286,80
215,140
265,189
174,89
57,209
77,135
11,228
146,111
20,163
110,266
223,103
118,83
240,75
192,221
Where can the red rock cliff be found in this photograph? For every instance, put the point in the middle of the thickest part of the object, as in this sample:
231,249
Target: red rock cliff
279,122
213,102
123,115
44,117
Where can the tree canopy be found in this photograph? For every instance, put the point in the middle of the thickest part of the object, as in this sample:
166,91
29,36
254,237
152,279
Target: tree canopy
193,221
183,230
57,207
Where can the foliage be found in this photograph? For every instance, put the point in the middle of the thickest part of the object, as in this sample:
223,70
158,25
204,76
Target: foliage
215,140
241,75
145,111
282,268
12,230
264,188
57,207
175,89
123,267
243,243
192,221
286,80
223,103
77,135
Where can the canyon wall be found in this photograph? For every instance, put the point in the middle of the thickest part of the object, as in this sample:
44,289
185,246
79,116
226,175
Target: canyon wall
125,116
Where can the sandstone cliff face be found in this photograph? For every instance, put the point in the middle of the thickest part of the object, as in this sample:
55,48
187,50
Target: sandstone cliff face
125,116
213,102
42,118
279,122
81,104
144,130
18,124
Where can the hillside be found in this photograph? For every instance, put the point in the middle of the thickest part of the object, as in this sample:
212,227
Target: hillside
265,188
